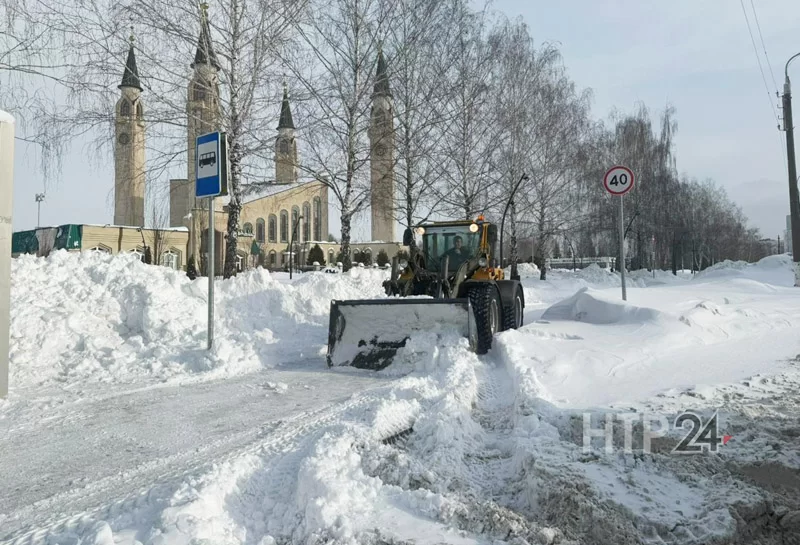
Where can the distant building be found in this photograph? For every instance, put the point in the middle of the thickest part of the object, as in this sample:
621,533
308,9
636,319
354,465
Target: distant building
167,245
270,211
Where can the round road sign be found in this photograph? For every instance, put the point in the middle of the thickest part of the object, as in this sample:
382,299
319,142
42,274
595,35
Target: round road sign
618,180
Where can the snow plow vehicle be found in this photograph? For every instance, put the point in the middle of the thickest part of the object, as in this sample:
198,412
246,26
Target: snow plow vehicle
451,283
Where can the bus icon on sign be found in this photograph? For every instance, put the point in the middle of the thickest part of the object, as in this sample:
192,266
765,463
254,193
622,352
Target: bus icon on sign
208,159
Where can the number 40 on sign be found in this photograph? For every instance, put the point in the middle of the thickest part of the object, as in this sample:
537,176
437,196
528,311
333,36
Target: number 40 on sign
618,180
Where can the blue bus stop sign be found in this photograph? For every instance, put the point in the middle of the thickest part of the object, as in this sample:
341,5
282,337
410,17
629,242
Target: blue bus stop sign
209,166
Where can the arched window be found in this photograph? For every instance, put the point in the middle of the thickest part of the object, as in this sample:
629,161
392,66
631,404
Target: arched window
284,147
260,230
125,108
284,226
273,258
240,258
317,218
273,228
247,229
331,257
198,91
139,110
171,258
138,252
307,222
293,226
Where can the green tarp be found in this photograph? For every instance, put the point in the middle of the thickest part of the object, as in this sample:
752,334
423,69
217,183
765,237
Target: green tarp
69,237
24,242
65,237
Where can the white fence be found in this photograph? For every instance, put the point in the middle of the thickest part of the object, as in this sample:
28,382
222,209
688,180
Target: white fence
580,262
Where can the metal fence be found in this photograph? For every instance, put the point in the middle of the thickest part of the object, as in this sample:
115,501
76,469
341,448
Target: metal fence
581,262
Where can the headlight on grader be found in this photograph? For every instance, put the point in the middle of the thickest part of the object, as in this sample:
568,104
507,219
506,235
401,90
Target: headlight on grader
473,228
403,264
482,261
420,231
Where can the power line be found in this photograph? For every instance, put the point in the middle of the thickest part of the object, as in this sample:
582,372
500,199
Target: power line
758,58
763,77
764,46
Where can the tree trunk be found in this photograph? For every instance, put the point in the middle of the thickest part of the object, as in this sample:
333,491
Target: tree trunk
234,151
234,209
674,256
514,249
346,262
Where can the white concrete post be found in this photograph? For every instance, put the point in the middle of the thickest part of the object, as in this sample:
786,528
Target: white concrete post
6,187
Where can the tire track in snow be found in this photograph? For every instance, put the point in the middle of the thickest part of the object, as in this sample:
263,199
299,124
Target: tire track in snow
135,488
488,466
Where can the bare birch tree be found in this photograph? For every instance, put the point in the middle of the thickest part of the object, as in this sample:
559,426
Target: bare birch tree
419,34
334,65
246,35
468,132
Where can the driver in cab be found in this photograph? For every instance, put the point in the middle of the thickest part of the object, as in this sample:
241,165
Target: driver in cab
457,254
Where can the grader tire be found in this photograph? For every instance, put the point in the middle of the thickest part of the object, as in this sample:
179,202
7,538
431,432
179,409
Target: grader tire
513,310
486,307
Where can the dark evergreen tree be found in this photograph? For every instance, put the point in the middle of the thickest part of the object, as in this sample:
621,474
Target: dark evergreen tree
191,270
315,254
383,258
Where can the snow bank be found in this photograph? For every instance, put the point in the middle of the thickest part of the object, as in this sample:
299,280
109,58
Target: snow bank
92,317
525,270
590,349
590,308
774,270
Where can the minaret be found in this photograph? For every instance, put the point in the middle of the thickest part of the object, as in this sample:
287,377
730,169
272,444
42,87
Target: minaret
285,144
381,136
129,148
203,106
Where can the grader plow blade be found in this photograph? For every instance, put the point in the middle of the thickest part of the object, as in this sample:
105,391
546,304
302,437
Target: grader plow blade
367,333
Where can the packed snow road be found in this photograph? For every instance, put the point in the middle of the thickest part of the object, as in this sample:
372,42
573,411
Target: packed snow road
76,457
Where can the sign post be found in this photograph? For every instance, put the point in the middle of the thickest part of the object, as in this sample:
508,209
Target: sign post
618,180
212,180
6,187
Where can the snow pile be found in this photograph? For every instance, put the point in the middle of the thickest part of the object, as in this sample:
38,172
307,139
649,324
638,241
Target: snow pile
587,307
647,278
525,270
93,317
774,270
592,349
596,275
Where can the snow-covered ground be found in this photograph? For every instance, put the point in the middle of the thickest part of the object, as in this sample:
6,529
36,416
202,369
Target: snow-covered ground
121,428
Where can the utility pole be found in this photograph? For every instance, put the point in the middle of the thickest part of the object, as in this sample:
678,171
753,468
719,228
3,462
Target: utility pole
291,245
794,198
39,199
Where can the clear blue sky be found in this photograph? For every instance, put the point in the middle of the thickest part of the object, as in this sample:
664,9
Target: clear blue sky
695,54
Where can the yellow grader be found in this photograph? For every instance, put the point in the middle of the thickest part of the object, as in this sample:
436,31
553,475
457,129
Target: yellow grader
450,283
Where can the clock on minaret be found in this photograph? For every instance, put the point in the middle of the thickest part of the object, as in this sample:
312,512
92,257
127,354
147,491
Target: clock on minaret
380,150
124,138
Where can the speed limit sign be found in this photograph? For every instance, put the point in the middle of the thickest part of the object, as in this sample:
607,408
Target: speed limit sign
618,180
